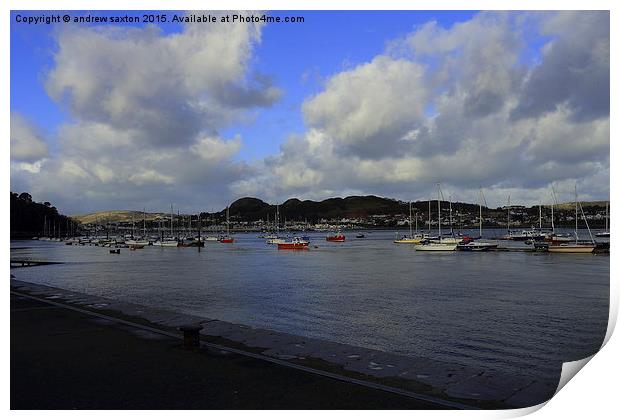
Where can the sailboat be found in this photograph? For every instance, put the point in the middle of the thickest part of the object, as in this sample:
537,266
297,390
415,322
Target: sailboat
411,239
274,239
436,246
605,233
478,245
450,239
170,242
227,239
138,243
575,248
553,237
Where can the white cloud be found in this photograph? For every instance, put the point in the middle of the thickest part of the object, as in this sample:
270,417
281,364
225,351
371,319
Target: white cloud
370,108
147,110
471,105
27,144
369,132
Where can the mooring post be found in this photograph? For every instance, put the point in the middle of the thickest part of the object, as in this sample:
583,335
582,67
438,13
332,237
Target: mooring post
191,336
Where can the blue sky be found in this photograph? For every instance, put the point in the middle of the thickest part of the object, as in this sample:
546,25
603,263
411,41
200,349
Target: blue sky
348,102
297,56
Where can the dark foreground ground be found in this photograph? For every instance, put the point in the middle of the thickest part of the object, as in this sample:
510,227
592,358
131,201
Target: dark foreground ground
63,359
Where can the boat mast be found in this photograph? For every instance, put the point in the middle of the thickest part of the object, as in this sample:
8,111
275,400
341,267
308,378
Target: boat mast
144,222
587,224
450,201
508,214
576,237
171,217
227,222
480,216
607,216
439,208
552,205
416,221
540,216
429,216
410,228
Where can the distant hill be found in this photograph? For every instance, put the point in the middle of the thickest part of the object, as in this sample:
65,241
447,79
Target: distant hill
113,216
251,209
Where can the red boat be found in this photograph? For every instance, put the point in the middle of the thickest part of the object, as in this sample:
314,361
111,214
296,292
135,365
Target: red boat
226,240
339,237
296,243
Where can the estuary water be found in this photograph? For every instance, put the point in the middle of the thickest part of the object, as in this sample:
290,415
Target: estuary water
516,312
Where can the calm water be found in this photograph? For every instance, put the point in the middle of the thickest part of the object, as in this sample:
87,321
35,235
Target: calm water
514,312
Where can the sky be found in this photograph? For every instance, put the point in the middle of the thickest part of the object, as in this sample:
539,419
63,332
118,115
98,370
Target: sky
133,116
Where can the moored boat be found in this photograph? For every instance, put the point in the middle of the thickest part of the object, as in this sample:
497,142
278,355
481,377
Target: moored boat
441,244
433,246
477,246
576,247
137,242
338,237
572,248
168,242
295,243
226,239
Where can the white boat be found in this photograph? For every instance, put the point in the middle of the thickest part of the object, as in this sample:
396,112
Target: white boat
211,239
478,245
166,243
437,246
448,240
137,242
432,246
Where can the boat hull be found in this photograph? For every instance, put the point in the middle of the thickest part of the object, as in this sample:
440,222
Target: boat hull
572,249
294,246
408,241
435,247
477,246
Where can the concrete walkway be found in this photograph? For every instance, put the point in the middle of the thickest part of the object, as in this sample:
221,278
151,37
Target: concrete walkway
63,359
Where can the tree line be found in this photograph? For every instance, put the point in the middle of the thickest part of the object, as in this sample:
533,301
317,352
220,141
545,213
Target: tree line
30,218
